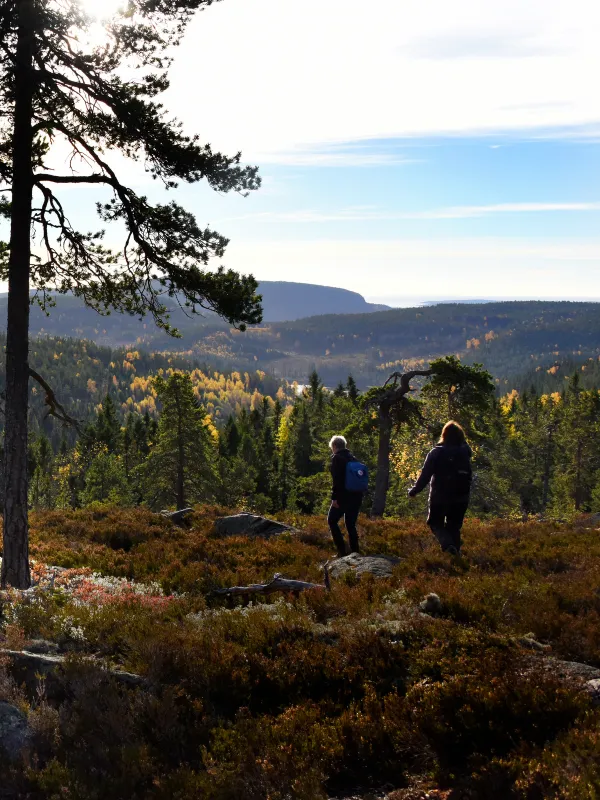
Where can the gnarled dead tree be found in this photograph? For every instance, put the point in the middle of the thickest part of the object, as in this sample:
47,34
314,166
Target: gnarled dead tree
466,391
392,407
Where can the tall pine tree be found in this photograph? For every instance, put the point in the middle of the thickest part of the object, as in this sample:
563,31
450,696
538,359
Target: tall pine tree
56,89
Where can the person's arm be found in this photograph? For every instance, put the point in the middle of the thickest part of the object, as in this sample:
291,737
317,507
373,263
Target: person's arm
426,474
338,473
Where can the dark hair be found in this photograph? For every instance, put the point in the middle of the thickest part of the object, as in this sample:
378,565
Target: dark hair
452,434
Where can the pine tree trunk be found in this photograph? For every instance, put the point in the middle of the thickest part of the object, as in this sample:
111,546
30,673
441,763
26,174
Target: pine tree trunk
382,479
15,561
578,471
547,469
180,489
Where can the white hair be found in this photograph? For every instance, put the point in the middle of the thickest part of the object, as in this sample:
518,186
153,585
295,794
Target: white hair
337,443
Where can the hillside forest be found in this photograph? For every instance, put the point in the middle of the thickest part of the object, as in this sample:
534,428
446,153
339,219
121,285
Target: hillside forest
518,342
257,443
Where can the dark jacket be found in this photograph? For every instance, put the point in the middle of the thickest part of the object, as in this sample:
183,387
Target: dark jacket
448,471
339,462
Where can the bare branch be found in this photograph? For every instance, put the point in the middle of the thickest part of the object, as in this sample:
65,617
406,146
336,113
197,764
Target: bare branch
55,409
278,584
394,393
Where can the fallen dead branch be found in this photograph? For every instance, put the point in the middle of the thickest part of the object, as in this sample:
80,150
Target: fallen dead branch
278,584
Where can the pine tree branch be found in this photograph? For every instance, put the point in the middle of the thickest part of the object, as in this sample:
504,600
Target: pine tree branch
95,178
55,408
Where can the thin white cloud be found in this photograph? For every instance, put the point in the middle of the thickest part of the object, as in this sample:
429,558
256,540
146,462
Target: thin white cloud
464,212
371,214
345,70
333,158
483,44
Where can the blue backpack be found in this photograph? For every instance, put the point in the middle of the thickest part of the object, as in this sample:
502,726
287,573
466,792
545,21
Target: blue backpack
357,477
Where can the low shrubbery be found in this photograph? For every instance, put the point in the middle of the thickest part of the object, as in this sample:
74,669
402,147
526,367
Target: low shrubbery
309,696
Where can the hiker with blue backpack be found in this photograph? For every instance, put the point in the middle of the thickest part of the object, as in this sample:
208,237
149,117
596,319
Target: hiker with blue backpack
350,482
447,471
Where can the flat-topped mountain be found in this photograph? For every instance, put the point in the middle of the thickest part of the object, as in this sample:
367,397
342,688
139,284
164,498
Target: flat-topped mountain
285,301
282,302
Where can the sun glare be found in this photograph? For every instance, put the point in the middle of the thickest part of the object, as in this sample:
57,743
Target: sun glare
102,9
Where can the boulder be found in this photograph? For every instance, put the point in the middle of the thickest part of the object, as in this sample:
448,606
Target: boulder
14,731
28,668
588,521
379,566
250,525
178,517
431,604
42,647
593,687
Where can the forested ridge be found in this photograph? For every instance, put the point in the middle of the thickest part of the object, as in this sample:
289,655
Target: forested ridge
510,338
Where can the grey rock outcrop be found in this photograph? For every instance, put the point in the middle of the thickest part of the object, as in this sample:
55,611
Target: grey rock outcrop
431,604
379,566
42,647
593,687
573,669
14,731
178,517
27,668
250,525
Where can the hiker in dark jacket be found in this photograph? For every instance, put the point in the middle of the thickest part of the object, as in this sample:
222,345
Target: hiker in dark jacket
343,503
447,470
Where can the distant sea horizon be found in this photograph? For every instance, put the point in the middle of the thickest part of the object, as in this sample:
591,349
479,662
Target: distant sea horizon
417,302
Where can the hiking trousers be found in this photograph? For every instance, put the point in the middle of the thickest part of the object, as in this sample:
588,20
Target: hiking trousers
349,509
446,520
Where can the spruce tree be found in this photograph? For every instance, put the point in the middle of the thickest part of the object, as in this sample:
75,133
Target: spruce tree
315,388
108,426
182,465
352,389
302,442
41,490
106,481
59,91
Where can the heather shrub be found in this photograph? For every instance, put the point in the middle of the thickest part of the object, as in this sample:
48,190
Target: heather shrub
568,768
309,696
489,711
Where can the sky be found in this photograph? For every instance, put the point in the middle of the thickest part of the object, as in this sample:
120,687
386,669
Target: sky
409,149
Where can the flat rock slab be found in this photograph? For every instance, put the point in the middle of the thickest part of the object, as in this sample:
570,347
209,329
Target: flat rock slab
250,525
379,566
573,669
14,731
27,668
